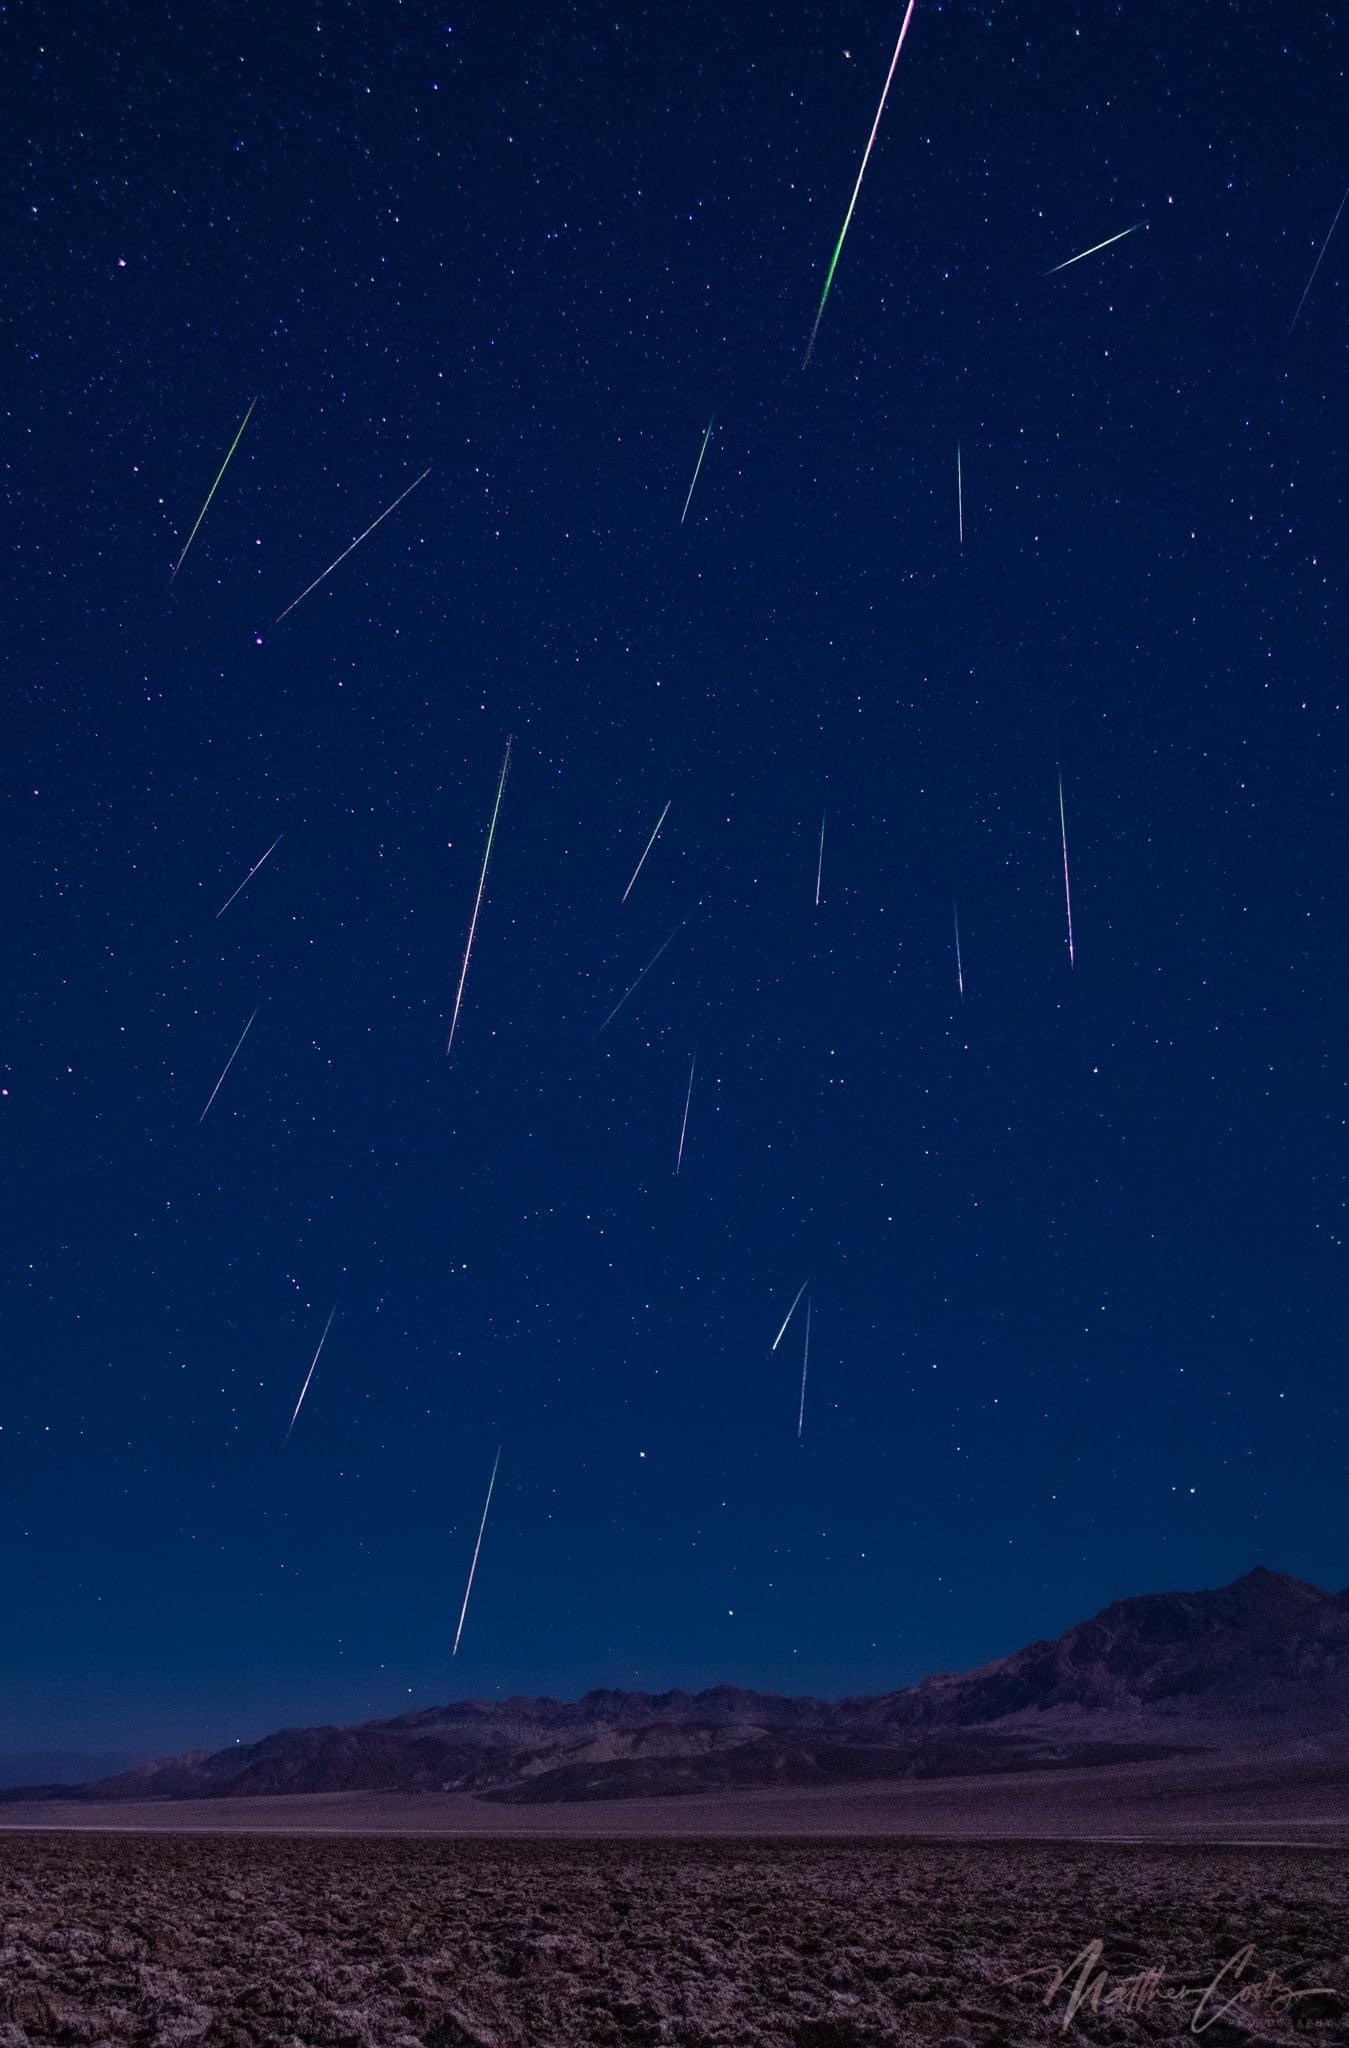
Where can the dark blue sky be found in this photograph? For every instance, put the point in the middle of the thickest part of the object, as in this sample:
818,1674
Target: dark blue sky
1075,1243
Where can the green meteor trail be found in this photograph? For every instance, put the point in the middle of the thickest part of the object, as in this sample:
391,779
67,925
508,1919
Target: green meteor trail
214,488
866,154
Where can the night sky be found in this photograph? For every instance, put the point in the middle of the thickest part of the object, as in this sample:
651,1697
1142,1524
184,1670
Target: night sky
1074,1242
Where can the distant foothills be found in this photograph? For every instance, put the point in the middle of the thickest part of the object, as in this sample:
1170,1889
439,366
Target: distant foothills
1264,1659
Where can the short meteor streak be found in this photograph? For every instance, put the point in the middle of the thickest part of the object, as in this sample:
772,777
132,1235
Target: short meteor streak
805,1368
679,1160
960,972
819,868
697,466
649,844
1317,265
355,544
477,906
211,493
228,1064
787,1318
251,872
310,1374
1067,886
1109,240
960,497
476,1548
866,155
642,976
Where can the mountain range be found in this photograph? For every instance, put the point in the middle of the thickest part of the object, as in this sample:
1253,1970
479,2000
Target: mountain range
1147,1677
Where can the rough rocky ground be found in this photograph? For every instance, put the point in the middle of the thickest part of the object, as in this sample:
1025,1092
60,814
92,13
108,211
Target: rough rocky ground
387,1942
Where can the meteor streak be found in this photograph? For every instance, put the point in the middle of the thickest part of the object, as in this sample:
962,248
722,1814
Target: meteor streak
228,1064
960,497
805,1368
310,1374
476,1548
1317,265
642,976
787,1318
1095,246
847,218
819,870
211,493
477,906
1067,887
697,466
251,872
960,972
679,1161
649,844
355,544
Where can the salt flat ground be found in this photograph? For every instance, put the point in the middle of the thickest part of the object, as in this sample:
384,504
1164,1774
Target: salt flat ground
390,1940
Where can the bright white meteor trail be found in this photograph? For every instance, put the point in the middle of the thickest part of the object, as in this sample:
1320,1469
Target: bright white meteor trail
960,972
679,1159
476,1548
960,497
787,1318
1095,246
214,487
310,1374
477,906
228,1064
1067,886
642,976
649,844
819,868
1317,265
805,1368
866,157
697,466
355,544
251,872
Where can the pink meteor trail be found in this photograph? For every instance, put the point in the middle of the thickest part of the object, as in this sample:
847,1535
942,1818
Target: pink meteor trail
679,1160
866,157
310,1374
1067,885
228,1064
477,906
476,1548
355,544
251,872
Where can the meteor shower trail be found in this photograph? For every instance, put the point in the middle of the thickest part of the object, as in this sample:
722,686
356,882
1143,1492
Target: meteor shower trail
649,844
679,1159
1095,246
251,872
228,1064
211,493
476,1548
1317,265
355,544
1067,886
696,467
805,1368
787,1318
847,218
960,972
642,976
819,866
310,1374
477,906
960,497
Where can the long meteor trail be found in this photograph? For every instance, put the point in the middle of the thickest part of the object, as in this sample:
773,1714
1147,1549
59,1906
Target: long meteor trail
355,544
228,1064
819,866
866,156
960,972
477,905
787,1318
697,466
476,1548
1317,265
960,497
310,1374
679,1157
642,976
211,493
1067,885
649,844
1095,246
251,872
805,1368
